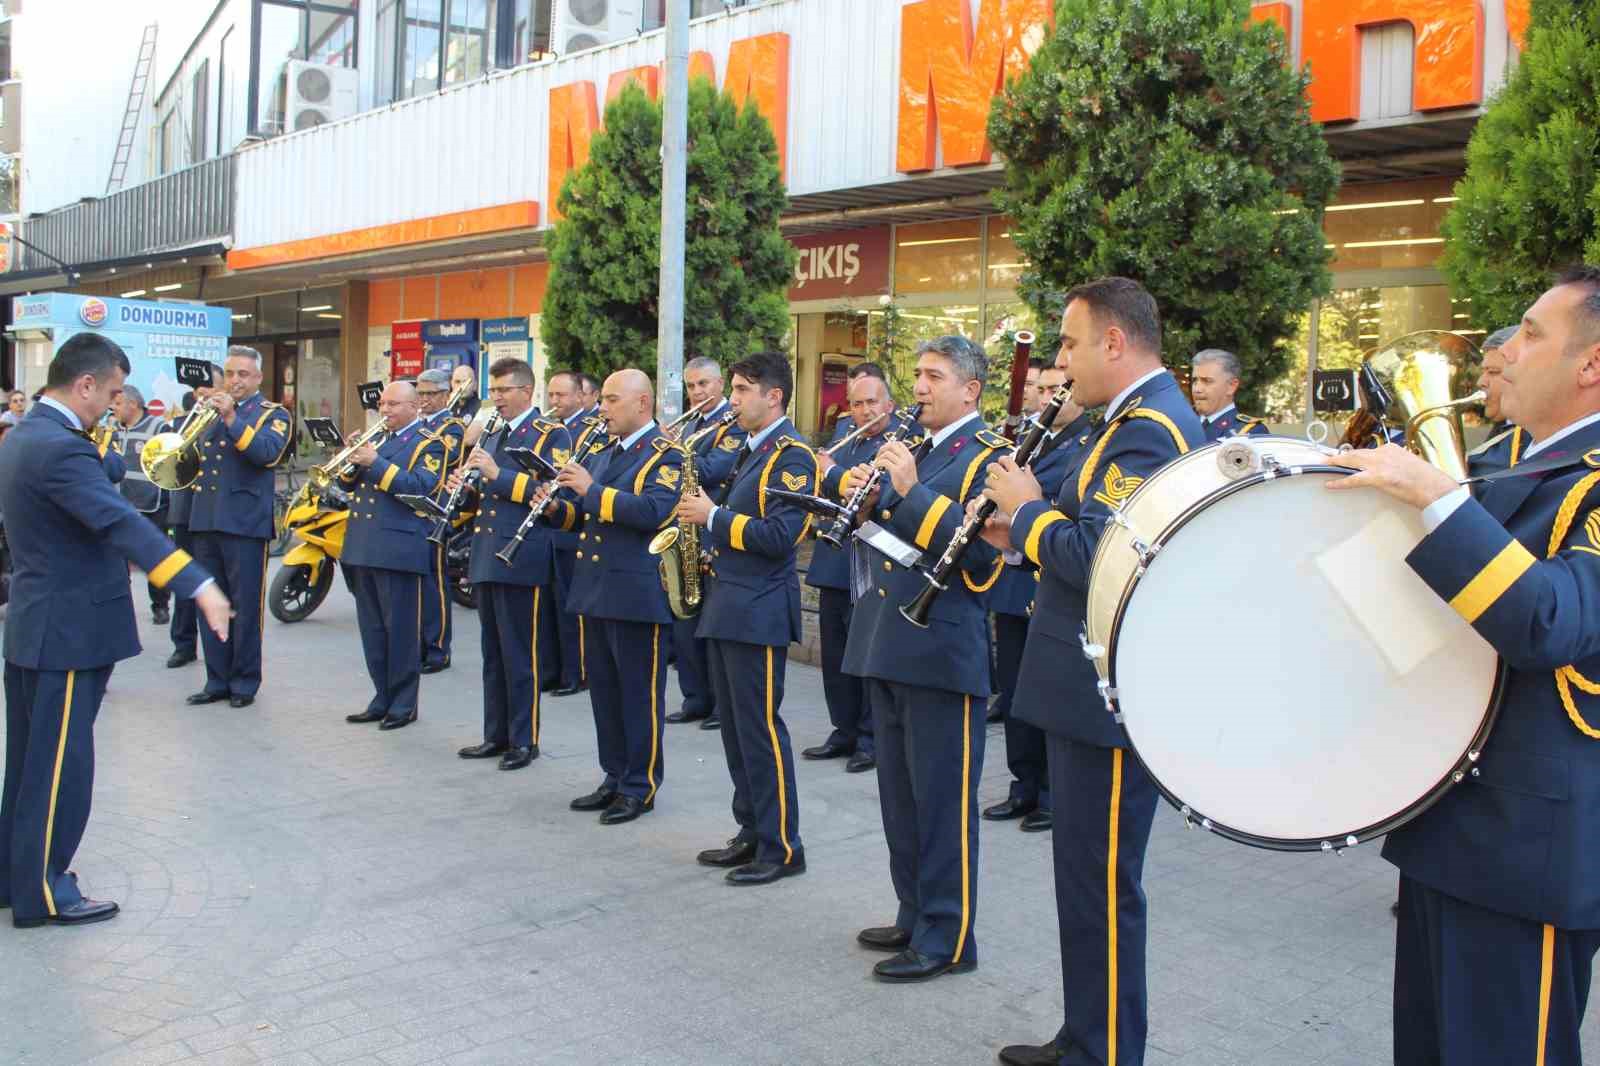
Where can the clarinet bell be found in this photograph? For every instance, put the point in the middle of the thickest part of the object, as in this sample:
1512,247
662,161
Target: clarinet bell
916,612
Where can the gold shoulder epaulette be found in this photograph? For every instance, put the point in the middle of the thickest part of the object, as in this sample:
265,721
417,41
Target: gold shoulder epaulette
792,442
990,439
545,425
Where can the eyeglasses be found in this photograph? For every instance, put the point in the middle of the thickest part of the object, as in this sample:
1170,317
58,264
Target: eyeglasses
501,390
431,392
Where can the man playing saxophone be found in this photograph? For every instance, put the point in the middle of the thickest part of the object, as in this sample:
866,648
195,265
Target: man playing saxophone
625,493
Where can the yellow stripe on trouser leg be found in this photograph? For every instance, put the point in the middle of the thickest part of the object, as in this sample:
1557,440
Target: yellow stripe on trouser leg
1547,958
1111,907
583,654
777,758
438,554
533,652
966,857
655,709
55,789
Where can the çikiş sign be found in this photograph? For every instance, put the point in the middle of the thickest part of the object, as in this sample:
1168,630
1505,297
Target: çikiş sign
846,263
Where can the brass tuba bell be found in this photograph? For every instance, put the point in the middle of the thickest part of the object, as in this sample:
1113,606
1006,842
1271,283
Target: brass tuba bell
1429,376
172,459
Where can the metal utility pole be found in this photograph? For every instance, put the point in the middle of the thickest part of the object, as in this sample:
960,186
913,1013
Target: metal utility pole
674,196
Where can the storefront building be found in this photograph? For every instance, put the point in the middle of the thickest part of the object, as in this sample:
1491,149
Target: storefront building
349,237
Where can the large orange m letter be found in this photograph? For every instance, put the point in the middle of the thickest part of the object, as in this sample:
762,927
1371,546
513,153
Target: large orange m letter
1447,69
574,120
948,76
758,69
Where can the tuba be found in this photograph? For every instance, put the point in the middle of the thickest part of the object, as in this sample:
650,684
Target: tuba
678,547
172,459
1424,378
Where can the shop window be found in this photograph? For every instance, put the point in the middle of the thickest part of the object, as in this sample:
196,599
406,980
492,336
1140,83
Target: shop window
321,310
938,257
1389,225
1004,260
245,323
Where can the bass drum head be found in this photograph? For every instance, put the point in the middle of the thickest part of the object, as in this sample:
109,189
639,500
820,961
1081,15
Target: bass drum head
1284,675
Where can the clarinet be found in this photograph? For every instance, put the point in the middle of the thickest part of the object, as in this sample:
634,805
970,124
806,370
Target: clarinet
839,528
591,426
939,575
441,526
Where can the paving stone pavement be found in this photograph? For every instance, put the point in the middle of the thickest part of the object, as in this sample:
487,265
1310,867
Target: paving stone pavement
296,890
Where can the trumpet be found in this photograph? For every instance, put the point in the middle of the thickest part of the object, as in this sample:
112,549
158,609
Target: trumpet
508,554
671,429
172,459
469,480
839,528
853,434
322,476
939,575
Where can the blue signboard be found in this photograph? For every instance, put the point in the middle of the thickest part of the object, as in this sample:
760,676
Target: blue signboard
153,334
449,343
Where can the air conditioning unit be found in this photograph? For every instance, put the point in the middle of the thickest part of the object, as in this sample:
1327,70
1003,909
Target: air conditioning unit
316,94
581,24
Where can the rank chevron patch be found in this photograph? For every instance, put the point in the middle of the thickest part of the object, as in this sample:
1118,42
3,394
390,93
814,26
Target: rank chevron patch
1117,487
793,482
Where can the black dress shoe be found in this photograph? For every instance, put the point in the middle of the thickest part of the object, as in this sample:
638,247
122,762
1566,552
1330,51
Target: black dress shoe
179,658
830,750
994,714
711,722
517,758
913,965
861,762
364,717
570,690
1008,809
686,715
598,800
199,698
434,668
160,616
82,912
482,751
764,873
737,853
1031,1054
398,723
1038,820
884,938
549,686
240,701
625,809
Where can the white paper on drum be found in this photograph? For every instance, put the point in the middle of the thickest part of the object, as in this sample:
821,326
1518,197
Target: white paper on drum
1399,613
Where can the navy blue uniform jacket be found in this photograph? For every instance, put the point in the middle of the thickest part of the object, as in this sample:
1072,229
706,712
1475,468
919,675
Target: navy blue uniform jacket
1523,566
1013,593
830,566
1152,427
717,451
71,534
233,493
505,504
1503,449
753,595
382,531
633,497
953,652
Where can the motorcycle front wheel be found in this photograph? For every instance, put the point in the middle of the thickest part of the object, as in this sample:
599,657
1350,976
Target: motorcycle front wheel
293,595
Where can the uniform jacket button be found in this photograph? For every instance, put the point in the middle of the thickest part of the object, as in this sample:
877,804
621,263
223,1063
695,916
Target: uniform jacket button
580,555
887,566
882,593
597,538
583,536
885,515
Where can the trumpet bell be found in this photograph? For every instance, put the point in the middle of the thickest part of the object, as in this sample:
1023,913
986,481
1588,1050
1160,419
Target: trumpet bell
169,462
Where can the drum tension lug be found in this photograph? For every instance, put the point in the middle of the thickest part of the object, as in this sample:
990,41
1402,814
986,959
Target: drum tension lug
1090,651
1144,551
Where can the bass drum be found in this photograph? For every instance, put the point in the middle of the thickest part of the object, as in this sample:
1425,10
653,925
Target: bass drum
1285,677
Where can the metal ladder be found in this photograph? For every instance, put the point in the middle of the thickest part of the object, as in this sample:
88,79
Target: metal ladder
130,117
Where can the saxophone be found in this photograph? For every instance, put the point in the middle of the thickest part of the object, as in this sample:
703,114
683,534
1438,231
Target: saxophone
679,549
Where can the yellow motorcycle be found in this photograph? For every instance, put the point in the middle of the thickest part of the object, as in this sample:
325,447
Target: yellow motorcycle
317,521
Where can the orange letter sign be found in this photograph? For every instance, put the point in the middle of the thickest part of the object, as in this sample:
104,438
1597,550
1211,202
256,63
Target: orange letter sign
574,120
948,77
1447,70
758,69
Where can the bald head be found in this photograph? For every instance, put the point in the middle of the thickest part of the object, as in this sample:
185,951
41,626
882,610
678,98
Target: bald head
627,402
398,405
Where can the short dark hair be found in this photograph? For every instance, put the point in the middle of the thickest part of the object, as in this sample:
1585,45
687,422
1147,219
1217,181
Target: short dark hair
769,370
868,369
589,382
511,367
188,401
86,353
1036,362
1127,304
1587,278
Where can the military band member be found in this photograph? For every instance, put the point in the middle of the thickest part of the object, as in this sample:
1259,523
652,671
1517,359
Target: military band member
386,553
472,411
185,628
1499,920
750,615
565,664
433,399
591,395
927,688
1104,800
70,620
847,422
1033,396
829,573
509,593
231,521
1507,442
1012,603
138,425
714,456
627,491
1214,382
